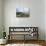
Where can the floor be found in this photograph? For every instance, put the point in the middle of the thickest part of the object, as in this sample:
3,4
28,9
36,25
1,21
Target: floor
21,45
25,43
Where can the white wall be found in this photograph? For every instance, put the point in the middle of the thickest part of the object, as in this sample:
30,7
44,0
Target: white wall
36,17
0,11
0,18
45,19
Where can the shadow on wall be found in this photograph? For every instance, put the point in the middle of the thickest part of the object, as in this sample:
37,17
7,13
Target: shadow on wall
1,34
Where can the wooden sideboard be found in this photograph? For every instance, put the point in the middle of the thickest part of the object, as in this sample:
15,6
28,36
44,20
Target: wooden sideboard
23,33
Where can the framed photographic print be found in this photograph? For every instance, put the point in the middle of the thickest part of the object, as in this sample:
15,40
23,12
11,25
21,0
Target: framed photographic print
22,12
